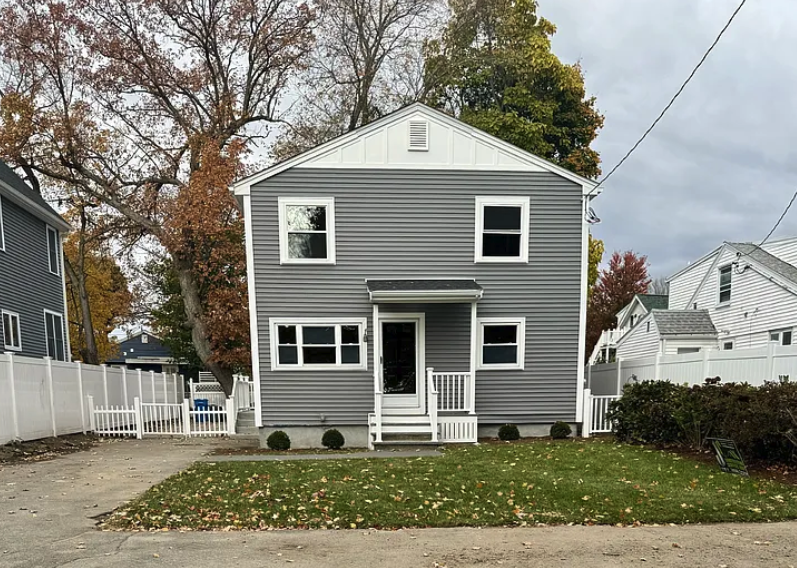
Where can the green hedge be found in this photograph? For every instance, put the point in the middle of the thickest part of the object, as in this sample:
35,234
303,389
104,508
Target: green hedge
760,419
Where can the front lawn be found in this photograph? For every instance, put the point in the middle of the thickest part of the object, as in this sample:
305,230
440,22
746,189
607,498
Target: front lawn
594,481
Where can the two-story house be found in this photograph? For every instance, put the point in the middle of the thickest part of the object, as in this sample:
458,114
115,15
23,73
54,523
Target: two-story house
416,278
32,291
145,351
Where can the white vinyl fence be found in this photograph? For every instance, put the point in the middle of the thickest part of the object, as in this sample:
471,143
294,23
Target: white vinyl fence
209,389
40,398
596,408
753,366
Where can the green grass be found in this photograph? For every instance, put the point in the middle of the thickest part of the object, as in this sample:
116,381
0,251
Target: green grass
595,481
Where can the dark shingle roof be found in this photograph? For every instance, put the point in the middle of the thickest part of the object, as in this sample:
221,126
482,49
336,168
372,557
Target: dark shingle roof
421,285
10,178
767,260
654,301
684,322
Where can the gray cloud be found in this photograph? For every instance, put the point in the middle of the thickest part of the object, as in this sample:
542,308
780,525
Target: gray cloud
721,165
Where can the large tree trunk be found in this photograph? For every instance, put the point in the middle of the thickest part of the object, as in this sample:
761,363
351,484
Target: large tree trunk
88,353
199,332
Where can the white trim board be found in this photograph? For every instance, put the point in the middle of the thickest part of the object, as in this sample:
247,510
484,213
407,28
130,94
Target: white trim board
254,338
452,145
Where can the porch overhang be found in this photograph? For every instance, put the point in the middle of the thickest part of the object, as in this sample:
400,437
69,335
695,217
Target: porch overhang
437,291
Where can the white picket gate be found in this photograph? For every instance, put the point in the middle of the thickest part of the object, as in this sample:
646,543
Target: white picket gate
596,409
161,419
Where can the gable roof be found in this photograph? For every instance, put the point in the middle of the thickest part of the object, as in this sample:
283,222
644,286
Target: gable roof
242,186
653,301
767,260
14,188
684,322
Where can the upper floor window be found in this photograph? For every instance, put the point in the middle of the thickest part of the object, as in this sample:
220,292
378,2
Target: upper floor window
144,338
782,336
502,229
52,250
725,284
11,332
54,329
307,230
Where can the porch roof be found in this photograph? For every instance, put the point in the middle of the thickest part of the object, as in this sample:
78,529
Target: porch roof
424,290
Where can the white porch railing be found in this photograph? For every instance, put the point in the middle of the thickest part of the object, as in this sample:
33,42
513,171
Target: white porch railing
453,388
432,402
596,409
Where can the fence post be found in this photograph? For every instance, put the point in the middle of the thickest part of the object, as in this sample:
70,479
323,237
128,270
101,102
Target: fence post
52,394
174,386
105,384
586,425
152,381
656,366
706,364
186,418
140,386
13,393
619,376
138,418
165,389
124,387
92,418
79,368
770,360
231,416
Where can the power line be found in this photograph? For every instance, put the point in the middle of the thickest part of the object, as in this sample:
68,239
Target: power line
791,202
672,100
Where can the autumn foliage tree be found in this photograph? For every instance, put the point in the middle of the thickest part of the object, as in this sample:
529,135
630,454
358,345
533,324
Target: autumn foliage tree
625,277
122,100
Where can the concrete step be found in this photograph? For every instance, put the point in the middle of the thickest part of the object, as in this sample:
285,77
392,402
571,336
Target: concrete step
406,445
248,421
246,430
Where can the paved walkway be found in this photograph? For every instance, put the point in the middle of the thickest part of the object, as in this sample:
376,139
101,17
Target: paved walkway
328,456
47,510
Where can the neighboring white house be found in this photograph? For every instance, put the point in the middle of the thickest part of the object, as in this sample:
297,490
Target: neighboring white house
745,295
750,292
606,348
669,332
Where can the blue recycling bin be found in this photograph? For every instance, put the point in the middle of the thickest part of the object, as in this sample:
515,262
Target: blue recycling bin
201,404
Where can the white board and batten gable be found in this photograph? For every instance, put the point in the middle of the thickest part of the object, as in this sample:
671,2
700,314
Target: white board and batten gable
417,137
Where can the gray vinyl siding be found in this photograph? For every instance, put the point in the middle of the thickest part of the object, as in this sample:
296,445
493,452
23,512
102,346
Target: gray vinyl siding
403,224
27,286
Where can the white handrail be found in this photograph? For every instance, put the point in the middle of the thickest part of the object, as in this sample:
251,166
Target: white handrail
432,402
378,416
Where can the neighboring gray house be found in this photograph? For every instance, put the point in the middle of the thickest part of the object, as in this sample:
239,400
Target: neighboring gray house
144,350
32,291
412,260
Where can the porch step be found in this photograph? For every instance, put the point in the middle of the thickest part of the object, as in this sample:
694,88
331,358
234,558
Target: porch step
406,428
410,445
245,424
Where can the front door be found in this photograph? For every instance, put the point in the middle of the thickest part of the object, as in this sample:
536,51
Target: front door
401,364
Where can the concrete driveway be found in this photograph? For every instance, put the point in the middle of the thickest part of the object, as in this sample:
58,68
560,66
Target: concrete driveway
47,510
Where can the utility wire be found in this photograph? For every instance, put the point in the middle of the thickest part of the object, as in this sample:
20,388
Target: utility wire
782,215
672,100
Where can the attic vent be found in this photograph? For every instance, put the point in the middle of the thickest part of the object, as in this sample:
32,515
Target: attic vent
419,135
145,338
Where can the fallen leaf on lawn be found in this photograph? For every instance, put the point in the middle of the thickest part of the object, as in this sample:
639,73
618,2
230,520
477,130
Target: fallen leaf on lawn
476,547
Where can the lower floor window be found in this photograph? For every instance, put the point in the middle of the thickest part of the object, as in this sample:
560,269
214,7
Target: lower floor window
501,343
54,327
319,343
782,336
11,331
727,346
687,350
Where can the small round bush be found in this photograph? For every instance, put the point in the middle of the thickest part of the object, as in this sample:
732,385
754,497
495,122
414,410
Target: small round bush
333,440
278,440
509,433
560,430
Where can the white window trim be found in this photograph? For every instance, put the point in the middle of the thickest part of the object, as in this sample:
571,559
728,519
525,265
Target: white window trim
521,344
19,331
3,228
329,203
780,331
719,285
518,201
63,335
49,230
337,322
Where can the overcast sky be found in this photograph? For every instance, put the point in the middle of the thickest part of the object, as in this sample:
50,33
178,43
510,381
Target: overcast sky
721,165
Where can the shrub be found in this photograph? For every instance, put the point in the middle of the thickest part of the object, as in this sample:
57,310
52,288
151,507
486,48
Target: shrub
278,440
560,430
508,433
645,413
333,440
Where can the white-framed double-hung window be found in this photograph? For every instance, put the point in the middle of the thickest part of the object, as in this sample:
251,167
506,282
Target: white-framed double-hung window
501,343
502,229
317,343
307,230
12,335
